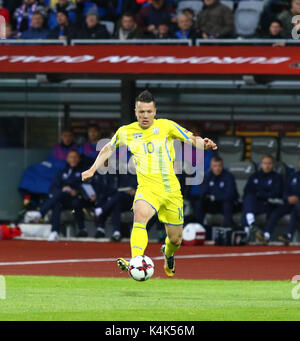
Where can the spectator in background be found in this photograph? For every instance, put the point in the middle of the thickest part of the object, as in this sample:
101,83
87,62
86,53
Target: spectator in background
93,29
185,28
218,193
150,16
61,149
23,14
286,18
65,30
115,194
261,194
37,30
115,8
127,28
62,5
81,10
188,12
65,193
215,20
164,30
89,148
36,179
270,13
275,30
4,12
291,206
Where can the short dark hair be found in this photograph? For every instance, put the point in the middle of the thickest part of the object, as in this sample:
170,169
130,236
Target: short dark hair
74,151
276,21
268,156
67,130
93,125
38,13
145,97
216,158
128,14
189,10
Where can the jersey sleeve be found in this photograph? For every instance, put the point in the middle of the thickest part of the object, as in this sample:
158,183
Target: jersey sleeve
119,138
178,132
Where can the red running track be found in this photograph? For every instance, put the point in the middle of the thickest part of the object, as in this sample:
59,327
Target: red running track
205,262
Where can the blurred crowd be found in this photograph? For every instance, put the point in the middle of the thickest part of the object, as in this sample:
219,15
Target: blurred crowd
141,19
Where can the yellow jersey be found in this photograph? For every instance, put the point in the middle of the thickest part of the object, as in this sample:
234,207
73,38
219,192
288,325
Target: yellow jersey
153,152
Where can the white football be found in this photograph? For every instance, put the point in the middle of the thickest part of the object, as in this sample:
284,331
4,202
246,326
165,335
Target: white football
141,268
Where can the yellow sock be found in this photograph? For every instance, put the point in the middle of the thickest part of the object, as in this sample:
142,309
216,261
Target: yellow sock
170,248
138,239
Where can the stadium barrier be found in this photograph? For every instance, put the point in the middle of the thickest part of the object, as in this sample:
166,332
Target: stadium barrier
33,42
187,42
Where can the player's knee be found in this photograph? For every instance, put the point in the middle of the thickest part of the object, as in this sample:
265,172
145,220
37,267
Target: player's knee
176,239
140,217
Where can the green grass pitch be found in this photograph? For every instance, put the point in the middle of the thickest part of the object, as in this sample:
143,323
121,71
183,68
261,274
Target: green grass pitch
34,298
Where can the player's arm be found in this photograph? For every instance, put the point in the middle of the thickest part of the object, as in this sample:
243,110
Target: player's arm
184,135
201,143
104,154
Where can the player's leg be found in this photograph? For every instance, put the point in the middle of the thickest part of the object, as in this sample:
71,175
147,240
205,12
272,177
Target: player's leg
172,244
143,212
171,214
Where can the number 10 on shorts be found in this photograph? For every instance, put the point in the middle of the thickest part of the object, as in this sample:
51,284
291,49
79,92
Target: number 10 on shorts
2,288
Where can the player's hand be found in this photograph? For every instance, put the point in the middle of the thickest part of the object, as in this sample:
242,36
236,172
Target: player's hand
209,144
87,174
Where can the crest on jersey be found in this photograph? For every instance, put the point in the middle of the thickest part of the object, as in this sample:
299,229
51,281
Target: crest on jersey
155,130
137,135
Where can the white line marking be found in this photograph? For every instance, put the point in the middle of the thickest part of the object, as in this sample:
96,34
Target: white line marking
96,260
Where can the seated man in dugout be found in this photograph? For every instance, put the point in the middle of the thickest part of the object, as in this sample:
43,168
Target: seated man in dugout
65,193
218,194
262,195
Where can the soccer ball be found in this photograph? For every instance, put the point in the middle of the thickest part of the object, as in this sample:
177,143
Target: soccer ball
141,268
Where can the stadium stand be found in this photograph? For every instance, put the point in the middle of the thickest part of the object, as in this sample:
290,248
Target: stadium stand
228,3
231,149
242,171
247,17
263,145
290,151
196,6
252,18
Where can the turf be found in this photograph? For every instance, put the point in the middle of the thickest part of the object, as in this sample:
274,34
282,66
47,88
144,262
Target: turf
115,299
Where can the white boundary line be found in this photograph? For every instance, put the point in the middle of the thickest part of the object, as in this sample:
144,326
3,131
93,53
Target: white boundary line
97,260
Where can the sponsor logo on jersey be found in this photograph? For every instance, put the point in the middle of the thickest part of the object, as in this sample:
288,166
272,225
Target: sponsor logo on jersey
137,135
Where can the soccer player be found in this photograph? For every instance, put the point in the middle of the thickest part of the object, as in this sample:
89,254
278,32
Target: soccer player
150,141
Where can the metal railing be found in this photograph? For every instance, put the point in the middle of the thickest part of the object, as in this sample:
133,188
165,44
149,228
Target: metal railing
33,42
187,42
248,41
183,42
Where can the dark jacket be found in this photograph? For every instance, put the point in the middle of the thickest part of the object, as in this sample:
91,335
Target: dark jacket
69,31
265,185
286,20
292,186
134,34
222,187
67,177
216,20
148,15
35,33
97,32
